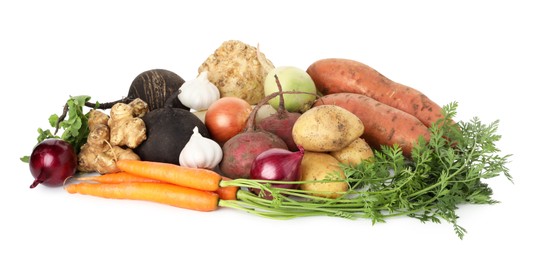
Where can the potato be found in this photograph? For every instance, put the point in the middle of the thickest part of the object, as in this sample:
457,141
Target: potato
326,128
320,166
354,153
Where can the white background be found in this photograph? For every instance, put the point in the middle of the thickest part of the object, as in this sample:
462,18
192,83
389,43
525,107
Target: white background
479,53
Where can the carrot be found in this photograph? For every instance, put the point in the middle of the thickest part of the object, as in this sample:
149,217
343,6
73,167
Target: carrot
343,75
197,178
163,193
225,193
384,125
118,177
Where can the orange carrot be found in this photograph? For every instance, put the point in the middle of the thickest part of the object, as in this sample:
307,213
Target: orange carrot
201,179
117,177
225,193
163,193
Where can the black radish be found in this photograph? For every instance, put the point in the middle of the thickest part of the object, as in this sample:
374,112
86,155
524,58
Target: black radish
168,130
155,87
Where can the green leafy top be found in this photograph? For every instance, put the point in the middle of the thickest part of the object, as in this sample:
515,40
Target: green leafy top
443,173
75,126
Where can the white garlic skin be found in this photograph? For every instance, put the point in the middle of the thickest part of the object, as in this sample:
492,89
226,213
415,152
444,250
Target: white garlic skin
200,152
199,93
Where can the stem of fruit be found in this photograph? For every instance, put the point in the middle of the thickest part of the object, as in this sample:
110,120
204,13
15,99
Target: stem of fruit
250,125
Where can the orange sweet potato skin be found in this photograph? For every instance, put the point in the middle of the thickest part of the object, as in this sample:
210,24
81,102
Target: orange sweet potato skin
384,125
343,75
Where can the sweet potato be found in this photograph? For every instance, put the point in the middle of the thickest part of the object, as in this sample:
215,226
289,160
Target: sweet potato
343,75
384,125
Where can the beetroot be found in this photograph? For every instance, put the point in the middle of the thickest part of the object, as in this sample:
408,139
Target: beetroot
281,123
240,151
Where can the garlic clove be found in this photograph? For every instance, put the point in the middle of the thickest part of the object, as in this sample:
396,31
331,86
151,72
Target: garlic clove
199,93
200,152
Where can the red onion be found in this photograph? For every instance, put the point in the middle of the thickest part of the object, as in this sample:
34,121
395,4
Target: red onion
278,164
52,162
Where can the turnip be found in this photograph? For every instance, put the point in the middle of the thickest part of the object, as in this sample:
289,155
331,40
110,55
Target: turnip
292,79
281,123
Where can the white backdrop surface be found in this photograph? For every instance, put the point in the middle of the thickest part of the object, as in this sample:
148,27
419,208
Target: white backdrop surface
478,53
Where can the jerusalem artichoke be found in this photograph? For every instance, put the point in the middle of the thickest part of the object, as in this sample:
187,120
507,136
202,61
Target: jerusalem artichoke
109,134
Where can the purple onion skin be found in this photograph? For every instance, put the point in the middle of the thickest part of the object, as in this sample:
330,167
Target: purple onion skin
277,164
52,161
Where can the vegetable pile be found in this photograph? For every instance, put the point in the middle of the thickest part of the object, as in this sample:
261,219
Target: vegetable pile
339,140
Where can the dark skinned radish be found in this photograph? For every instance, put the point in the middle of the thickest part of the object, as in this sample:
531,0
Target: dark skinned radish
281,123
168,130
155,87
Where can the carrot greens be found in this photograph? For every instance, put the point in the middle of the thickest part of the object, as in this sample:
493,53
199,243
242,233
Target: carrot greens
442,174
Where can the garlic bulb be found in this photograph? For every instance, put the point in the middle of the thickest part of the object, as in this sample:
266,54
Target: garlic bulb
200,152
199,93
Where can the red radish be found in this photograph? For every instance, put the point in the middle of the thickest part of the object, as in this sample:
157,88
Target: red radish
52,161
281,123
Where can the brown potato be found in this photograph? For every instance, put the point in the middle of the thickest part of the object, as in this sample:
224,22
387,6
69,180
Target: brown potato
321,166
326,128
354,153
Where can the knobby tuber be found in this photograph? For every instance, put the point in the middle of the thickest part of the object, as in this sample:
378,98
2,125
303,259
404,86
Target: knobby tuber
238,70
126,126
113,137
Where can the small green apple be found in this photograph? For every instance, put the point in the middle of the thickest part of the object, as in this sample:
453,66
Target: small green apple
291,79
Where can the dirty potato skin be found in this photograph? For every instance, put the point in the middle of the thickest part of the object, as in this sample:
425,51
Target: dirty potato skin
353,154
326,128
319,166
